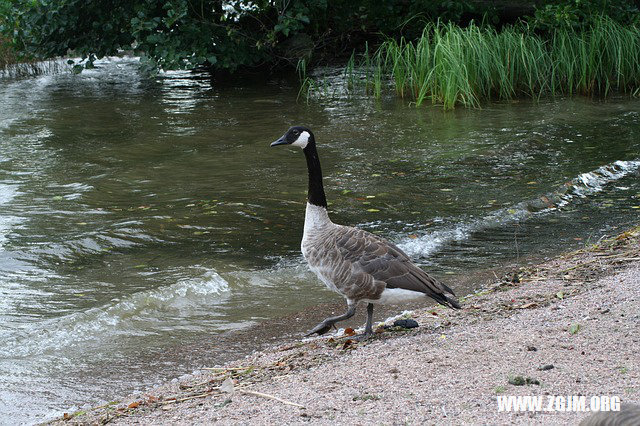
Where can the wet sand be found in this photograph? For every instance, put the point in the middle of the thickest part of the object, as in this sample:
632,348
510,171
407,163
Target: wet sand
569,326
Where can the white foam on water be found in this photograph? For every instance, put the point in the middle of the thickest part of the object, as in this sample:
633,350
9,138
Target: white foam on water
595,181
142,313
7,222
584,185
47,67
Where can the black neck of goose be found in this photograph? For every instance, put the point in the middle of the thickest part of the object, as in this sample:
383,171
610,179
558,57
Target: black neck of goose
316,190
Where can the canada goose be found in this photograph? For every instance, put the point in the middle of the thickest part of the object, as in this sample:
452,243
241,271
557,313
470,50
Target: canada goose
360,266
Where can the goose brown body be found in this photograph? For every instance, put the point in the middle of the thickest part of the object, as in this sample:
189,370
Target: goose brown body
360,265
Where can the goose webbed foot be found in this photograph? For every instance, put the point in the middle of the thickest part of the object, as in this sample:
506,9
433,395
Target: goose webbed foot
320,329
326,325
363,337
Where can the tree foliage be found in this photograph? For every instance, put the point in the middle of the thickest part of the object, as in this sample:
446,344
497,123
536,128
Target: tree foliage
225,35
582,14
232,34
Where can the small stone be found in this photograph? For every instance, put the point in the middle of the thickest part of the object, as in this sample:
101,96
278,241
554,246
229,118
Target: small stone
405,323
546,367
532,348
532,381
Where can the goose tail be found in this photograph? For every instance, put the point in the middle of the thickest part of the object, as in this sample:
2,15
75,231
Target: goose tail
445,300
448,301
453,303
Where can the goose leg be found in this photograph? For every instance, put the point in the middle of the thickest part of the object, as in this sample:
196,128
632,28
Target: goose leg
368,328
326,325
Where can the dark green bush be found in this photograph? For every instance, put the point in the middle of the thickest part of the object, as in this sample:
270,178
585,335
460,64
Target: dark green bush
225,35
583,14
263,34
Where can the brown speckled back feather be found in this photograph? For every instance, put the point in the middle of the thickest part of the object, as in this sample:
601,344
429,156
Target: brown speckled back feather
361,265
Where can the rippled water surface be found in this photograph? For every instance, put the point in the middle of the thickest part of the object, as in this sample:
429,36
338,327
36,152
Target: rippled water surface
139,217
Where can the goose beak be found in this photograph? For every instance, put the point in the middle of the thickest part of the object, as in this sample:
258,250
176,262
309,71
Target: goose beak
281,141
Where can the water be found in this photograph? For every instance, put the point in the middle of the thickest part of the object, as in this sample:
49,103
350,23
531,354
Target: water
146,223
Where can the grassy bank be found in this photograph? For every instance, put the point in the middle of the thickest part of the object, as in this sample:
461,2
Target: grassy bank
450,65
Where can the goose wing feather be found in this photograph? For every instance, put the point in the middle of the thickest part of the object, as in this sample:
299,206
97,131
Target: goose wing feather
386,262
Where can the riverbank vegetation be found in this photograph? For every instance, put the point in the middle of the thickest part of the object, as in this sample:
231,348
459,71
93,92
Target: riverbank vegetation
450,65
441,51
222,36
7,52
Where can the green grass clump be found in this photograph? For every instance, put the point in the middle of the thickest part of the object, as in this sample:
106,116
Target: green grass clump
450,65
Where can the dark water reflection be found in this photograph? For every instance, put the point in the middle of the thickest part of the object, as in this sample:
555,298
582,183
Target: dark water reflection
138,216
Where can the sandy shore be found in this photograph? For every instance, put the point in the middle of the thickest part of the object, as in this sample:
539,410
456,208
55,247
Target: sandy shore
566,327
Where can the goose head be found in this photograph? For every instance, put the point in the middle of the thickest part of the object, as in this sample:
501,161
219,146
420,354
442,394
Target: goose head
299,136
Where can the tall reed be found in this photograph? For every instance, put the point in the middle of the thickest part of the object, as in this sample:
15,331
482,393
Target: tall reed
450,65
